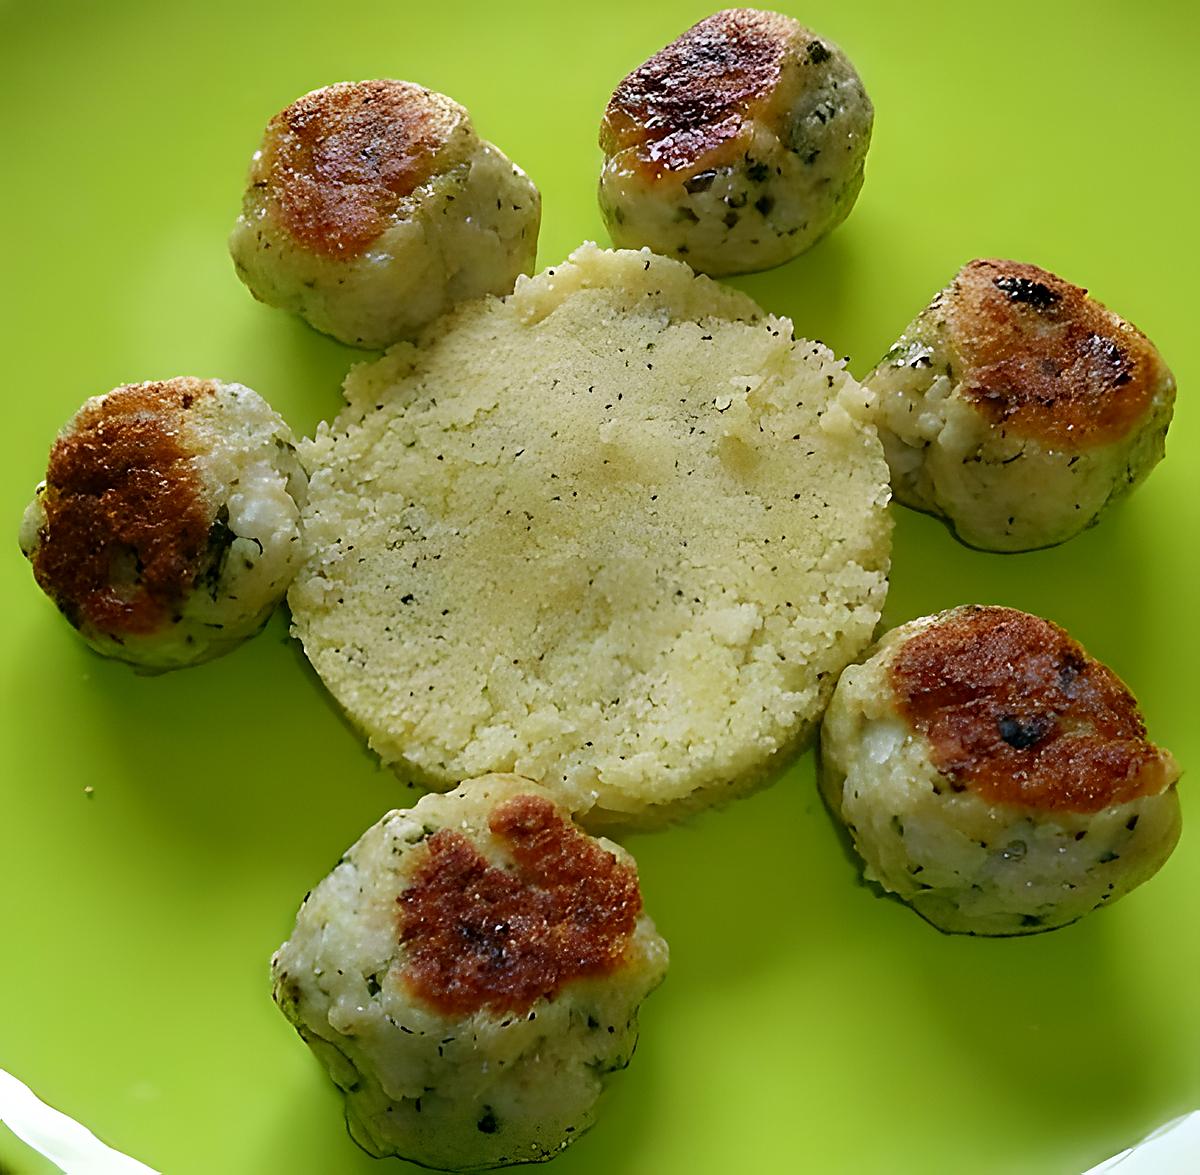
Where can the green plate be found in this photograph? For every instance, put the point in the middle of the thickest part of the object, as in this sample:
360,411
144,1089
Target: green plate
157,834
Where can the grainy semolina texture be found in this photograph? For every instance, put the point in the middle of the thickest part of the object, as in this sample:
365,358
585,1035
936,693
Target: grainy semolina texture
618,532
469,973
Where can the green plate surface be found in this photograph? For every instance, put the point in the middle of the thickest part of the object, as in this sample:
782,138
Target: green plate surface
156,835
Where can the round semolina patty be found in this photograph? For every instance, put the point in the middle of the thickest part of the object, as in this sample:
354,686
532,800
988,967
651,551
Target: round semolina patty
618,532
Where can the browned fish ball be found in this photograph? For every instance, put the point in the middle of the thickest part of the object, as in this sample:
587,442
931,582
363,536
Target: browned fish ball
1018,408
469,973
994,775
737,146
168,526
373,207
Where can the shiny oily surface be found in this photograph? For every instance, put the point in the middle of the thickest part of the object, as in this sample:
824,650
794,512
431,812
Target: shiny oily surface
159,834
338,162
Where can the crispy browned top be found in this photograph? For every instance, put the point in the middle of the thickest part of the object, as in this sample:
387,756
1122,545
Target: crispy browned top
1046,361
1017,712
481,937
688,105
336,163
127,522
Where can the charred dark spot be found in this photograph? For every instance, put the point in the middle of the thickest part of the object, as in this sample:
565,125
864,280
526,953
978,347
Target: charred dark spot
1110,361
487,1124
1068,671
764,204
757,172
1026,733
1026,291
817,53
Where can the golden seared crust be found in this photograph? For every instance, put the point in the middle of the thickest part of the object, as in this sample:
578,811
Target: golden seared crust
126,518
1015,711
336,164
478,936
1046,361
688,105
